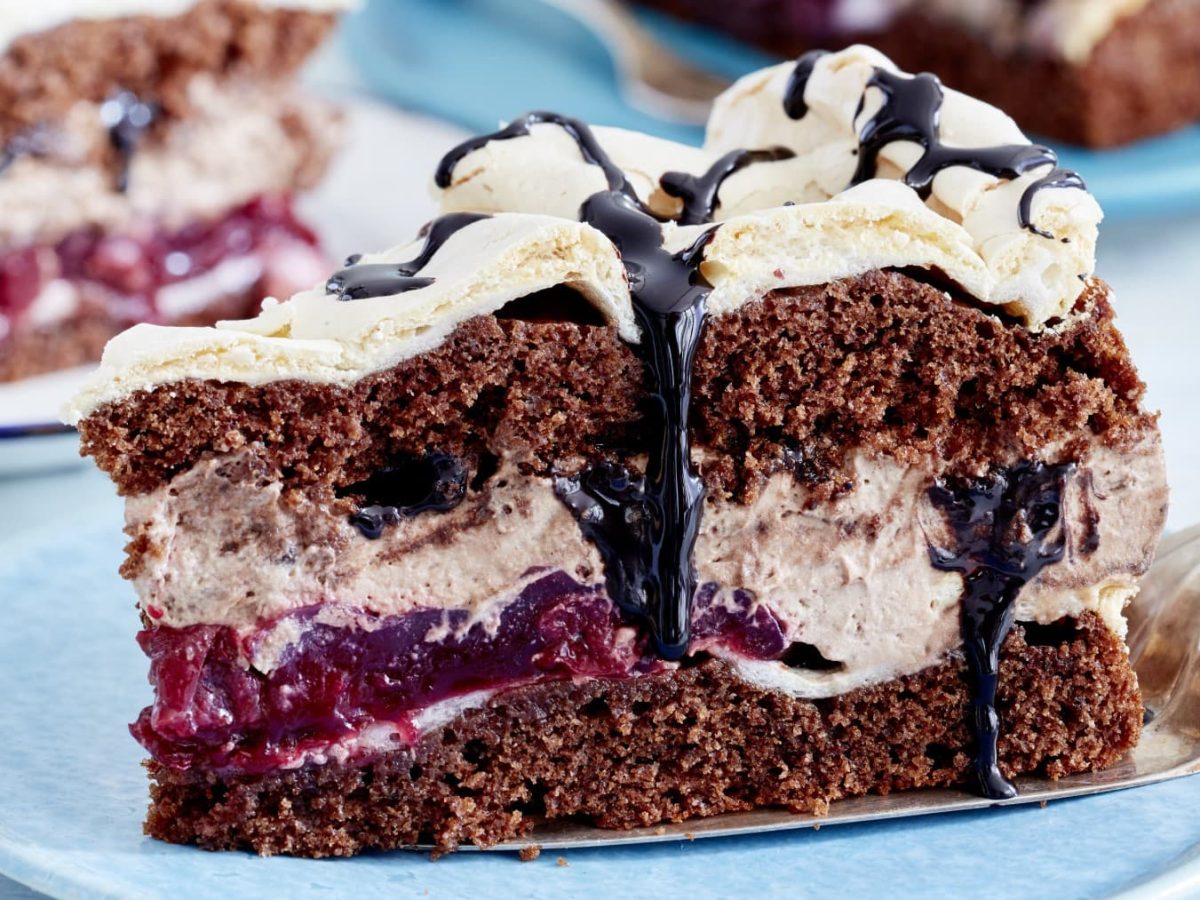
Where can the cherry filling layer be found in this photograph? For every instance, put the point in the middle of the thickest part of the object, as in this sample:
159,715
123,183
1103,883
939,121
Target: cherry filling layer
212,709
137,266
335,683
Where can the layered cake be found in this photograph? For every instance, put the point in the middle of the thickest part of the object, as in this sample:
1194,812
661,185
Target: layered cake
648,482
1094,72
148,155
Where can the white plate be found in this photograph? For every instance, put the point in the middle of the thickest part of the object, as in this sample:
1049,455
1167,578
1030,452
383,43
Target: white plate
376,195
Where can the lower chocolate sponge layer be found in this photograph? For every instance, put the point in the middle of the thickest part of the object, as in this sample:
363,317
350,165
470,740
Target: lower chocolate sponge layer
689,743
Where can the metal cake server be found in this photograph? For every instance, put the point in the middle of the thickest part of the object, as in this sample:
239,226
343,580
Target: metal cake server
652,78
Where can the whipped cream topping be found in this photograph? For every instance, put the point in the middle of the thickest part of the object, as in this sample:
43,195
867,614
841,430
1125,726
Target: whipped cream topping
969,229
222,549
18,17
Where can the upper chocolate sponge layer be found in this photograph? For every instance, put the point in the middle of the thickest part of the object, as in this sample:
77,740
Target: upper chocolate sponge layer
881,361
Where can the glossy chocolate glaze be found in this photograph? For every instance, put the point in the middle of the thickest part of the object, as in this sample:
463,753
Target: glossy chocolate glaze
127,119
589,147
359,281
794,103
911,112
1009,527
699,192
436,482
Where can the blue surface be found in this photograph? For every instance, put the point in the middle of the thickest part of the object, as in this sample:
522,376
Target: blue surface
476,62
72,794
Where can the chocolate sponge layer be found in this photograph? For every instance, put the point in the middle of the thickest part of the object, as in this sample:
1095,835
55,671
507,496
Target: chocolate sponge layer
882,361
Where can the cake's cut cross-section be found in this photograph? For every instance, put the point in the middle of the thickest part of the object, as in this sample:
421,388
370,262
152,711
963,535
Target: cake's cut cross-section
648,482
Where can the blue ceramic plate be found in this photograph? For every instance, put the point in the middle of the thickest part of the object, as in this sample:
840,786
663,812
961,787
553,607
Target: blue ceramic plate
477,61
72,794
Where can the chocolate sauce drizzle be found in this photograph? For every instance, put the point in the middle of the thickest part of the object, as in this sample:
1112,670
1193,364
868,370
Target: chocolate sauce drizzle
699,192
433,483
127,119
794,103
669,298
645,529
589,147
911,111
360,281
1008,529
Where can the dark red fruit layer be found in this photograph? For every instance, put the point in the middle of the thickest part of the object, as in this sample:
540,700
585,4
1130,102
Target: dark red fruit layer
134,267
213,710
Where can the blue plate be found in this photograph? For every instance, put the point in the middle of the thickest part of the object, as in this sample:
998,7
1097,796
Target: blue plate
72,792
478,61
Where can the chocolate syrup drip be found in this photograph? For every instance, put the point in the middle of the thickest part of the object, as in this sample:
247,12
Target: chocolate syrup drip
1009,527
360,281
699,192
912,110
433,483
794,103
127,119
610,506
1056,178
645,529
35,141
669,301
589,147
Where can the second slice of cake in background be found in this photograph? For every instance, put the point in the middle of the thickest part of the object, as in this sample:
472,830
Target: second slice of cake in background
149,153
1094,72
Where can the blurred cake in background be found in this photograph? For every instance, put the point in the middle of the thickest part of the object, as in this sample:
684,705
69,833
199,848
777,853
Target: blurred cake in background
1094,72
149,151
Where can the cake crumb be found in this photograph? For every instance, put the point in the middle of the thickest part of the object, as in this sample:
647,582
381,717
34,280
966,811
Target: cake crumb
561,862
1042,803
817,826
661,829
689,836
530,852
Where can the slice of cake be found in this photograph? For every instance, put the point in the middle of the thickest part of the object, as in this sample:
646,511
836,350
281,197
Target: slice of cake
148,155
1094,72
648,482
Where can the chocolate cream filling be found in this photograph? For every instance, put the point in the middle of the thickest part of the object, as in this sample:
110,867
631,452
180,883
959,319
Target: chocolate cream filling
849,576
